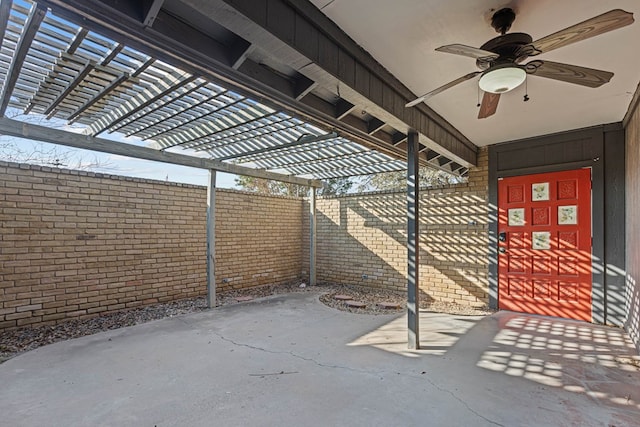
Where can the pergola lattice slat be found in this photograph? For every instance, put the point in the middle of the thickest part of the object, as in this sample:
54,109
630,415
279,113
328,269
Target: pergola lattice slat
61,70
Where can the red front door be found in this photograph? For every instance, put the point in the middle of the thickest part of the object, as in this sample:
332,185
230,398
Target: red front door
544,244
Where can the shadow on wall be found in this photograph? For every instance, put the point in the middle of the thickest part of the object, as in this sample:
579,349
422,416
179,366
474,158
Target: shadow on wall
362,240
633,303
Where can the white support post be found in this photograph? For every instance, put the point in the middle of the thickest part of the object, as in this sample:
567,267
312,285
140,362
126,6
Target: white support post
211,240
312,236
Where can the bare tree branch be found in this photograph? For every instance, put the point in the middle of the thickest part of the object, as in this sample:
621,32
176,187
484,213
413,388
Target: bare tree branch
34,152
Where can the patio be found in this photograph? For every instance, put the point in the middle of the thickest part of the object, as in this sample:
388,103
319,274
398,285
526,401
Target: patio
289,359
283,92
295,92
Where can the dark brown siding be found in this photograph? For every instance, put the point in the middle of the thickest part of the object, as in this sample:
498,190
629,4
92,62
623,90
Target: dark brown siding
632,294
602,149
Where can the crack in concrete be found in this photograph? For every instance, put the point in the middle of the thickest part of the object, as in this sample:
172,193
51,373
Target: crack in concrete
361,371
456,397
297,356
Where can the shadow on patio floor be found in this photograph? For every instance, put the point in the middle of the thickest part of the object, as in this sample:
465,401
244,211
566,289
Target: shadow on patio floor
290,360
579,357
596,361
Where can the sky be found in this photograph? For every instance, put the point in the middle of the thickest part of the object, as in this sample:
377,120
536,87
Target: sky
72,158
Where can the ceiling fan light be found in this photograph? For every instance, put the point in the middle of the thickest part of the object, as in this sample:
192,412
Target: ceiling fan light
501,80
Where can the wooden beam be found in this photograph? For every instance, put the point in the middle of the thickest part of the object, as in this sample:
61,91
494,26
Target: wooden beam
346,171
266,75
431,155
300,25
197,56
20,129
239,52
352,172
161,106
123,24
65,64
182,111
343,108
283,160
211,240
413,242
455,166
304,140
312,237
77,40
152,12
112,54
5,11
176,30
166,144
200,140
442,161
113,125
248,136
398,138
302,86
342,171
148,63
98,96
50,111
374,125
36,15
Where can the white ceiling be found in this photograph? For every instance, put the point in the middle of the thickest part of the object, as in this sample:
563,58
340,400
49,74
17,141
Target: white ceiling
402,36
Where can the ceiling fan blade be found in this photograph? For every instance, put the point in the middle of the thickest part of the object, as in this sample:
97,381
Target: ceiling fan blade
489,105
595,26
583,76
442,88
464,50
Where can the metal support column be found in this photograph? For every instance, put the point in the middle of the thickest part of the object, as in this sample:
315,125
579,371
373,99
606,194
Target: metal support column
413,241
211,240
312,236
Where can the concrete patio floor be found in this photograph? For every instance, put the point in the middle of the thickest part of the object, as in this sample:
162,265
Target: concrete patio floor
290,360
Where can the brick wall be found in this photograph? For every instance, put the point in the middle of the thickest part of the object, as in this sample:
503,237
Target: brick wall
76,244
258,239
632,294
362,240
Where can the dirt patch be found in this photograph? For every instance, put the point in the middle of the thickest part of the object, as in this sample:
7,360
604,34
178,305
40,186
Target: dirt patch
24,339
17,341
376,302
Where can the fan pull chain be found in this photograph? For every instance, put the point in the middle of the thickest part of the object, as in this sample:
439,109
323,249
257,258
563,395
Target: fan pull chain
526,90
478,97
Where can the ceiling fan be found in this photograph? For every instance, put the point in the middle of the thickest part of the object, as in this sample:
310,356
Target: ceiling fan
500,59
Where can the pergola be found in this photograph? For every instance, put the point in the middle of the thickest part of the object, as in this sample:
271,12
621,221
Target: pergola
59,68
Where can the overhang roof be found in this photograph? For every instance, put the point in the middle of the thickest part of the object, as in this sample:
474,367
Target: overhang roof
58,69
553,106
